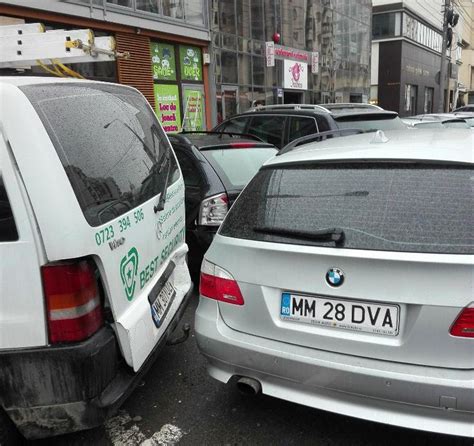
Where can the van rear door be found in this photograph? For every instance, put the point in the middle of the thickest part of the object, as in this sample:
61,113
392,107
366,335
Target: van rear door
95,172
22,321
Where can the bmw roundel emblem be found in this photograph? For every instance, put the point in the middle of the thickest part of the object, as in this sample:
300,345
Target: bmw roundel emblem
335,277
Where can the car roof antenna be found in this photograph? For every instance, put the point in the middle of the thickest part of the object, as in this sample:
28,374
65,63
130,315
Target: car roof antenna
379,137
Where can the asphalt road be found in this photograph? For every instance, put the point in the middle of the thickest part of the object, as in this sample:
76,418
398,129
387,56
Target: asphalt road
179,404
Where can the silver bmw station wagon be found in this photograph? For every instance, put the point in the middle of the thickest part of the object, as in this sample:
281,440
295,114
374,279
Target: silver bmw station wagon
342,279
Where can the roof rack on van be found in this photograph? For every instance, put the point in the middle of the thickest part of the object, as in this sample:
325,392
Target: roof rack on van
210,132
317,137
26,45
289,107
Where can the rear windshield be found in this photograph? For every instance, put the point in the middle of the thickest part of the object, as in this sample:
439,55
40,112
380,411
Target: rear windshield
109,143
387,207
8,230
361,122
236,167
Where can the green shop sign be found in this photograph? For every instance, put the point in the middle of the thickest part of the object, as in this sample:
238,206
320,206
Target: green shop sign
163,61
190,59
167,107
193,104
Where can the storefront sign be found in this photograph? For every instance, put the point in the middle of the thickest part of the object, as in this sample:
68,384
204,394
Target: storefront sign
315,62
270,53
193,103
295,75
190,59
287,53
167,107
163,61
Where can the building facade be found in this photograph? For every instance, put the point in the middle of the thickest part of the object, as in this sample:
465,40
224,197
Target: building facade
319,52
406,57
465,87
168,42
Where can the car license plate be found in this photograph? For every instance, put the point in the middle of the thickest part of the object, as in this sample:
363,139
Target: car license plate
161,304
366,317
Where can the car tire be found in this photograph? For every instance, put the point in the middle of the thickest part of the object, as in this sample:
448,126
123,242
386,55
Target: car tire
9,435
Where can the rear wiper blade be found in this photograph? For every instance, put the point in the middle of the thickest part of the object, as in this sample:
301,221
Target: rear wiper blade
335,235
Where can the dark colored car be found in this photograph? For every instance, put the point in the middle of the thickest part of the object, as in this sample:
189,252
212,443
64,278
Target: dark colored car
216,167
281,124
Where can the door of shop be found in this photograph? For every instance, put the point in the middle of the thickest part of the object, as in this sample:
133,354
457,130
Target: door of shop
194,107
229,102
292,97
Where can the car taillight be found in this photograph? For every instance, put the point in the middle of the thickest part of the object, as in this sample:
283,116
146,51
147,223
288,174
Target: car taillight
217,283
242,145
74,309
213,210
464,324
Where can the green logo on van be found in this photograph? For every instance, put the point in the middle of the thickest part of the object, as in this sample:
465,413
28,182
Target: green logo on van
128,272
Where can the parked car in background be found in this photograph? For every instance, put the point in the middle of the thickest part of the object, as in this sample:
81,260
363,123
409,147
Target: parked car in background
342,279
216,167
281,124
465,108
89,292
438,120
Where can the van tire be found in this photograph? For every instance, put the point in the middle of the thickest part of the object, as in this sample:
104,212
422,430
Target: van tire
9,435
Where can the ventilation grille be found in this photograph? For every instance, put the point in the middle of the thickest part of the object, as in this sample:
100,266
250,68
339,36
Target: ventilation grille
136,71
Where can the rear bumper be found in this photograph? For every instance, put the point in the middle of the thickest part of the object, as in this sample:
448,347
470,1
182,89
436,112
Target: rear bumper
418,397
55,390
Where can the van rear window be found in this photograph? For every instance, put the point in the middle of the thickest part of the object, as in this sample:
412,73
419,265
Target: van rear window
8,231
109,142
387,207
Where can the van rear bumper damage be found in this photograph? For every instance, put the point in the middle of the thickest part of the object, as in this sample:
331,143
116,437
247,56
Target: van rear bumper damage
55,390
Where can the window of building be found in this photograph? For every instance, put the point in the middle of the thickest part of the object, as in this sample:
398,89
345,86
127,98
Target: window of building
194,11
127,3
386,25
173,8
148,5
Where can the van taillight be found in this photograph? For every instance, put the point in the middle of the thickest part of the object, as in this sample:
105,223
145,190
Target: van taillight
464,324
73,303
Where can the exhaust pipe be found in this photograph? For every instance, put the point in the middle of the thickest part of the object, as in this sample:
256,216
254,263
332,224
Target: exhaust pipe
249,386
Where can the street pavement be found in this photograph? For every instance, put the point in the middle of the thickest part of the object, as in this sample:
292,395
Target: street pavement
178,403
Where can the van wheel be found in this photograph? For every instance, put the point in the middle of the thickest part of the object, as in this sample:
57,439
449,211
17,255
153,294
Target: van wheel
9,435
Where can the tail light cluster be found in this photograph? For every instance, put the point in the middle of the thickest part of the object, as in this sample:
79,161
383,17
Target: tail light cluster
213,210
217,283
74,308
464,324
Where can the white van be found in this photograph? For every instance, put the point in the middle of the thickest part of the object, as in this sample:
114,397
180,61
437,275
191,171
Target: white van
93,273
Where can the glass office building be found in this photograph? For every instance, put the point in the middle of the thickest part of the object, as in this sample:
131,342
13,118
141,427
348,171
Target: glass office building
327,40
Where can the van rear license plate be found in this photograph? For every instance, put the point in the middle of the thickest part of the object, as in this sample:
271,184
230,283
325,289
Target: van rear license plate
353,315
161,304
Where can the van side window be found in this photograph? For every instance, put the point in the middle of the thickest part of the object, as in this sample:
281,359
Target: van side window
8,230
110,143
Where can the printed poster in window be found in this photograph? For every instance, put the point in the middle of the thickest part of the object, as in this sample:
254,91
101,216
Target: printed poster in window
193,103
167,107
163,62
190,59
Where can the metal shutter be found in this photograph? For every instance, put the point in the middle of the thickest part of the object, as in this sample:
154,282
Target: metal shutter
136,71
